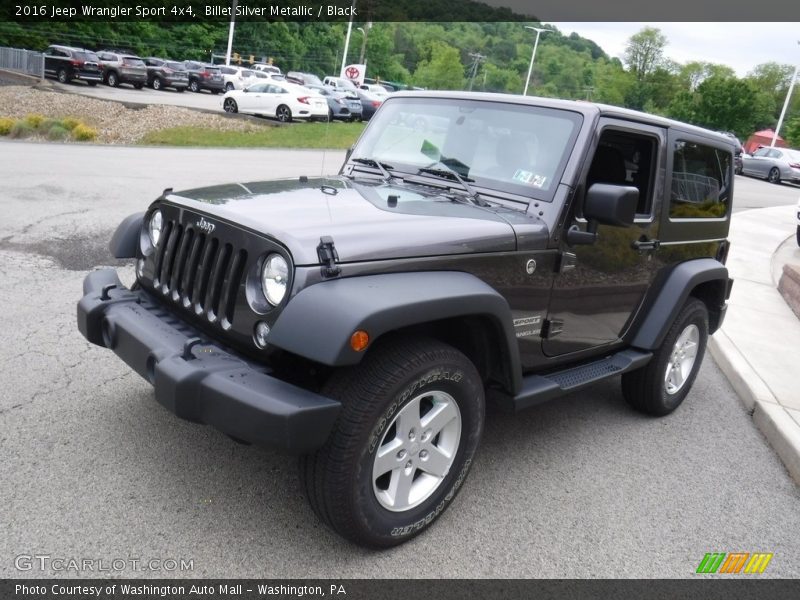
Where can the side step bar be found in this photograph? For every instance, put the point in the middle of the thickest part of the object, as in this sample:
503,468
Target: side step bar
537,389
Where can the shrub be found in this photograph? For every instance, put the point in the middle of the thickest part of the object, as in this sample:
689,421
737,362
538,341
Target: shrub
21,129
70,123
84,133
34,120
47,124
5,125
57,133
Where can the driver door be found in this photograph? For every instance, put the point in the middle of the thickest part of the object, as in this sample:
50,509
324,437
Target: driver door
600,285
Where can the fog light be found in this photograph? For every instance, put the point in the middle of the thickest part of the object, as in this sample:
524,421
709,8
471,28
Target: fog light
140,268
261,335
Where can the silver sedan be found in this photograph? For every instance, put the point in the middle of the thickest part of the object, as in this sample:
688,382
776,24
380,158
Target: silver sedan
773,164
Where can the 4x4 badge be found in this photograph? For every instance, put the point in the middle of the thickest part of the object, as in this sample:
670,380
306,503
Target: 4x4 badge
204,225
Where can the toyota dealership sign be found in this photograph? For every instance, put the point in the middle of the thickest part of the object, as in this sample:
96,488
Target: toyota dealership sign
355,73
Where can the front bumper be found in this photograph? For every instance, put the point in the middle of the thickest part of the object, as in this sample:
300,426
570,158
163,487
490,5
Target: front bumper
197,379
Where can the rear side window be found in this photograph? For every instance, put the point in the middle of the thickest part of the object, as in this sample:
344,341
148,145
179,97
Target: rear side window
701,181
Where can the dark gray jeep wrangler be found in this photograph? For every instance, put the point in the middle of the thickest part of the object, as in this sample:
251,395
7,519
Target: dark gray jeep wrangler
473,248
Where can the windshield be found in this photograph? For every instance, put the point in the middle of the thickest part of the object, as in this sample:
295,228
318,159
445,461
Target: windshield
510,147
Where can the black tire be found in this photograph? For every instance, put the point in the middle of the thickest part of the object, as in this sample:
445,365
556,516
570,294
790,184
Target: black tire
774,175
646,389
180,90
112,79
138,86
398,375
283,113
157,85
230,106
228,87
62,76
193,85
330,115
92,83
798,235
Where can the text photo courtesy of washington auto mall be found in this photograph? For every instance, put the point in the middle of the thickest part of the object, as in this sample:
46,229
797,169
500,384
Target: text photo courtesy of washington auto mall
366,298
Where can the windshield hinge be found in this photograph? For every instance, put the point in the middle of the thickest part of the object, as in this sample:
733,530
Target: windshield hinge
326,251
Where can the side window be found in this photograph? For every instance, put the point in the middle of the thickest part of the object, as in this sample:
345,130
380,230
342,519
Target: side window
700,181
774,153
761,152
624,158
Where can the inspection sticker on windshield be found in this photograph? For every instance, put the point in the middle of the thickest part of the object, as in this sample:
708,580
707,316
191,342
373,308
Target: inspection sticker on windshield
529,178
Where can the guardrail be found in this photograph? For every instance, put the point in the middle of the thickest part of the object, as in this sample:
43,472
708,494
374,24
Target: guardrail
23,61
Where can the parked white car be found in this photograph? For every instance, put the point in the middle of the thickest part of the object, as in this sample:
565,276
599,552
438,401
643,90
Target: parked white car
284,101
375,89
237,78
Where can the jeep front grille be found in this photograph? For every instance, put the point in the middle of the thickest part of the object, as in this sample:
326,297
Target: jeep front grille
199,272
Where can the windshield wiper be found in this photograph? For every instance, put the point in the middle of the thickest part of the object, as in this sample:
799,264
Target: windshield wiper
450,173
382,167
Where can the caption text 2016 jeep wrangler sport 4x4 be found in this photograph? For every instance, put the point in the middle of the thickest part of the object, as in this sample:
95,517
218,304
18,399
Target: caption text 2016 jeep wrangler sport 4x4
474,247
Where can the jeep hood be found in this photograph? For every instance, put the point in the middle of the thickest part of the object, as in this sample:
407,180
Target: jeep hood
363,219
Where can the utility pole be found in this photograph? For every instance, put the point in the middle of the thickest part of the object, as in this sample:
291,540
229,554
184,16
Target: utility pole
589,91
538,31
785,104
476,61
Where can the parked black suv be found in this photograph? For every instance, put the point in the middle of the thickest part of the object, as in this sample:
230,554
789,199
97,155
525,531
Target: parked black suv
67,64
204,77
166,73
512,250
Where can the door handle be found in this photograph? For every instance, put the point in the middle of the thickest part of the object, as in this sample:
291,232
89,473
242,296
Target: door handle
644,244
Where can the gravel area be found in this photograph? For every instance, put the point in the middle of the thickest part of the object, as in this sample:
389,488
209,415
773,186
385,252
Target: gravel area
115,122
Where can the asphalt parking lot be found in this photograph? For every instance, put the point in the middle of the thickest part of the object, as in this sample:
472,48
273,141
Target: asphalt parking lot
94,468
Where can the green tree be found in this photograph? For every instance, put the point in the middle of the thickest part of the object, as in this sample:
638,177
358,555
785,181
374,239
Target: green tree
442,69
791,132
725,103
644,52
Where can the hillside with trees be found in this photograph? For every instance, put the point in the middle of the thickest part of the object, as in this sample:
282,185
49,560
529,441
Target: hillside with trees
482,56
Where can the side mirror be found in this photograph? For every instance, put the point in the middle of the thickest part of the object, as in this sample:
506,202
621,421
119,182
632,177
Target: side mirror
611,204
605,204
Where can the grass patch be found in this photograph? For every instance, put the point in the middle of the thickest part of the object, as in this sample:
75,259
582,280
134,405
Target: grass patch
297,135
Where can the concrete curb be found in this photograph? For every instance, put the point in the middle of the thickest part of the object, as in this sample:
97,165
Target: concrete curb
757,346
777,425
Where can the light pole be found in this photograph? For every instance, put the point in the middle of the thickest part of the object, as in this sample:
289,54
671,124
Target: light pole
533,55
363,44
230,33
785,104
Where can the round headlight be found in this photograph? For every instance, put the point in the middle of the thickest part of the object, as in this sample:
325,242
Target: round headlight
275,278
155,226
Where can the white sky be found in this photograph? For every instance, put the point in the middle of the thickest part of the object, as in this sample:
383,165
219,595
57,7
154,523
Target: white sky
740,46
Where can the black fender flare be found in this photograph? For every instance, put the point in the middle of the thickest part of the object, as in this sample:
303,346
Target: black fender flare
318,322
125,240
672,294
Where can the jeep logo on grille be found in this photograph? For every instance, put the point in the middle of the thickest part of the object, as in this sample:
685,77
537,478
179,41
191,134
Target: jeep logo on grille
204,225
